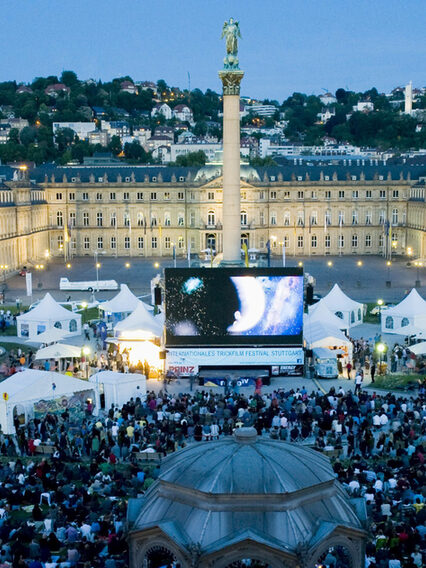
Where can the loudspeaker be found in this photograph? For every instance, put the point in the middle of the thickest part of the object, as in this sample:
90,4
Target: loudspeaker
162,355
308,353
309,294
157,296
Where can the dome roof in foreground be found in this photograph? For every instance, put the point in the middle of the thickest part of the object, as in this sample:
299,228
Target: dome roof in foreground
211,492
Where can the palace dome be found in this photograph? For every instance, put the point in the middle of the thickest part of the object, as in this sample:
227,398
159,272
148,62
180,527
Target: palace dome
213,495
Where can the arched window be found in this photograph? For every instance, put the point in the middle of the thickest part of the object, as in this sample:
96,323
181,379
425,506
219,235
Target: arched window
58,325
352,316
244,218
339,315
405,322
73,325
287,218
389,322
167,221
359,314
211,218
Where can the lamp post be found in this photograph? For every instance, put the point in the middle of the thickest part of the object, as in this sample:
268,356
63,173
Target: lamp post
359,264
4,267
97,266
380,350
388,281
418,265
86,353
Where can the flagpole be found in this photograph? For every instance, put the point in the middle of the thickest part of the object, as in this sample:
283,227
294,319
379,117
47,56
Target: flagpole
284,252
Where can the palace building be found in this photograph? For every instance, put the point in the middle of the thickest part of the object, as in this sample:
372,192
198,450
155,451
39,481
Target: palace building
359,207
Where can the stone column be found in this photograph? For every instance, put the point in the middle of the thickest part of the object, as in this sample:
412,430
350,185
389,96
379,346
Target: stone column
231,80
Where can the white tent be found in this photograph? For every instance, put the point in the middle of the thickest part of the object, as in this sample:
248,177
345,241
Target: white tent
59,351
25,388
411,311
320,312
317,334
124,303
46,315
350,311
119,388
139,325
49,336
418,348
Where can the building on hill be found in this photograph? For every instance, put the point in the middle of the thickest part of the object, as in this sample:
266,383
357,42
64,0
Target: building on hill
356,207
206,510
128,87
57,89
82,129
163,109
183,113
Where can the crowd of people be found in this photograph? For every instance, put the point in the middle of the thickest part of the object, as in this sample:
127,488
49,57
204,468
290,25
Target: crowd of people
70,508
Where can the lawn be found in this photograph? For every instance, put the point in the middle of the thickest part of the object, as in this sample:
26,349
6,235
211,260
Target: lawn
397,382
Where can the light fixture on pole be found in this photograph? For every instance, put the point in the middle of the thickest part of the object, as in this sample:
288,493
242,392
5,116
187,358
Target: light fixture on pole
418,265
388,266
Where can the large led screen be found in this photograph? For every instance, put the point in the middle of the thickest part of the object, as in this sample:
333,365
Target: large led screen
234,306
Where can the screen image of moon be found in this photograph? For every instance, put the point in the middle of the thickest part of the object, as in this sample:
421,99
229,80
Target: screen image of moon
268,305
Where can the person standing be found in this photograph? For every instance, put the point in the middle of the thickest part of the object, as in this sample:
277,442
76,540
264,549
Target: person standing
349,369
358,382
373,371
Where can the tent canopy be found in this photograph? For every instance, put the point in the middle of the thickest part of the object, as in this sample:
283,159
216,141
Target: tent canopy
412,305
124,301
58,351
119,388
320,312
32,384
418,348
317,332
139,324
48,309
49,336
337,300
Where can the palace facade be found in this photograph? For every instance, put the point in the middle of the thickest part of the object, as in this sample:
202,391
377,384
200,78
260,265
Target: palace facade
350,209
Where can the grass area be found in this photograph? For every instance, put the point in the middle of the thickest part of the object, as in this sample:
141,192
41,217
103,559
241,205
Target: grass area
370,318
88,314
9,331
396,382
12,347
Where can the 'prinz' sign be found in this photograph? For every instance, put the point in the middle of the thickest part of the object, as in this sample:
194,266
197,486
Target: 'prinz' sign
184,370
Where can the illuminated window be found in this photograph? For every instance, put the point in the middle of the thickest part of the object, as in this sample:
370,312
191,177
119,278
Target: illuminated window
181,243
244,218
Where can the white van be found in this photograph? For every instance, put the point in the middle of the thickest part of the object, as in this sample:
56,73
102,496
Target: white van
325,363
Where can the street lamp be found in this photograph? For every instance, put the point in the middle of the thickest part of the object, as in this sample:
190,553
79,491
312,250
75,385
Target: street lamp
4,267
418,265
68,265
380,347
127,265
156,265
388,281
86,352
329,263
300,263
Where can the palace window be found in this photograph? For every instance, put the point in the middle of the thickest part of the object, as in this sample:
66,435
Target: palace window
126,219
72,219
341,241
113,220
167,220
368,217
99,219
210,195
313,241
300,241
273,194
112,196
211,218
367,241
181,243
126,196
126,242
394,216
300,218
354,217
181,219
100,243
327,241
167,242
86,243
59,219
287,219
153,242
139,196
354,241
244,218
140,243
273,218
85,219
113,243
180,195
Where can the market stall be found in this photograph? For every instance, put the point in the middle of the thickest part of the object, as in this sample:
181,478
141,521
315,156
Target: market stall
48,315
115,389
31,393
348,310
409,313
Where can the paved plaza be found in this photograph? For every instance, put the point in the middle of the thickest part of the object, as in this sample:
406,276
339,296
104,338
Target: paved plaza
365,282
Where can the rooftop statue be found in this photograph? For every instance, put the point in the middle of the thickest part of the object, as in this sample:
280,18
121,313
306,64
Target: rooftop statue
231,33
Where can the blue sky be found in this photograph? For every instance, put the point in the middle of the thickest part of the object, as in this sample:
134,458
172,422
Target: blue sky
287,45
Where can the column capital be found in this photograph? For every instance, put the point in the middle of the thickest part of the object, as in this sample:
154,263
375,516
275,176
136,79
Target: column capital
231,80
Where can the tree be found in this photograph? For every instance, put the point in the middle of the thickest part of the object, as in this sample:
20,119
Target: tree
28,135
341,96
69,78
260,162
115,145
192,159
200,129
135,153
64,137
